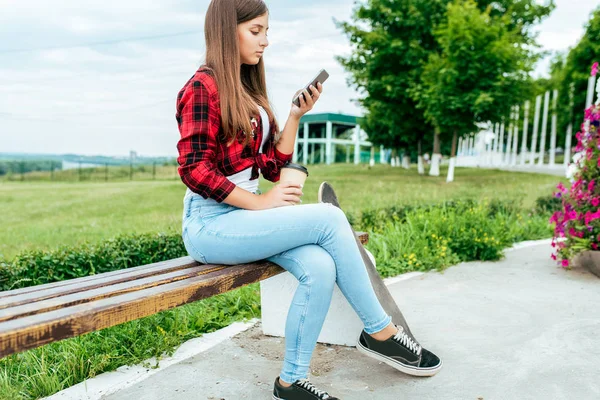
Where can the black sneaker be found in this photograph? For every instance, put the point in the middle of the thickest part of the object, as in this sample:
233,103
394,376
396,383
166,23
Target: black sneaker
302,389
401,352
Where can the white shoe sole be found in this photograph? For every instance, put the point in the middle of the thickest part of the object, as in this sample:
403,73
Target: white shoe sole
414,371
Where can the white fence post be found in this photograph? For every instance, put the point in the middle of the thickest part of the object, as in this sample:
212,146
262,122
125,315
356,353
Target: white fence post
544,126
506,159
553,129
569,127
536,125
589,98
515,137
525,129
501,144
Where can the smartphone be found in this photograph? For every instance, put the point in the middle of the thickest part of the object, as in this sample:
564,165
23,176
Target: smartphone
321,77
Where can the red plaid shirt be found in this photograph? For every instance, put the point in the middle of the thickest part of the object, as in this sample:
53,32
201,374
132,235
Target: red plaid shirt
204,157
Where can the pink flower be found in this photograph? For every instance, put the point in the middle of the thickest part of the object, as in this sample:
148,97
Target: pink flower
572,232
594,246
589,216
595,202
553,257
594,69
565,262
570,215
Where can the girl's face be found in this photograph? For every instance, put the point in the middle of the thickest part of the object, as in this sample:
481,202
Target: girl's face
252,37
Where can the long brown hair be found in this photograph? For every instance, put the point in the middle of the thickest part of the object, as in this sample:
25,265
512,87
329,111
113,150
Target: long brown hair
241,87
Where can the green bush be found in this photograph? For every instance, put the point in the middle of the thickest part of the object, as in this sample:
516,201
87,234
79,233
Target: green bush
547,205
434,237
38,267
377,219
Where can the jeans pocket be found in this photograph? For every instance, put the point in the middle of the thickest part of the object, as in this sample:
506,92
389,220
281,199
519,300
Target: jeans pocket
191,248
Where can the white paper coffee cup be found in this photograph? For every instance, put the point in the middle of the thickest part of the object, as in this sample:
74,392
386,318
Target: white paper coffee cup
294,173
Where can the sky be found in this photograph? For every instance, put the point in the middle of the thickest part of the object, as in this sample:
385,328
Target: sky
100,77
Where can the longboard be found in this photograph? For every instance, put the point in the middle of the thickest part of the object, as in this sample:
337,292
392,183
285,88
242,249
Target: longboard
327,195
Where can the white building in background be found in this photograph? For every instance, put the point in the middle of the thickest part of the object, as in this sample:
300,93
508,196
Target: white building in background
328,138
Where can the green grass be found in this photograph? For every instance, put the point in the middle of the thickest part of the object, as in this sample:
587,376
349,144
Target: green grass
45,215
418,239
48,369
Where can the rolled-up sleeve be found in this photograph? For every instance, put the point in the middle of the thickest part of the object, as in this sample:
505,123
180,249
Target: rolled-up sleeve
271,162
199,121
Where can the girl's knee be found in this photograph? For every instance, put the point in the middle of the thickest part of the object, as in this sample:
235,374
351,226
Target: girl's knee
317,265
332,214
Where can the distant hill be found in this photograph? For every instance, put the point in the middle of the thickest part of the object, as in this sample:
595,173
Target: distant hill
76,158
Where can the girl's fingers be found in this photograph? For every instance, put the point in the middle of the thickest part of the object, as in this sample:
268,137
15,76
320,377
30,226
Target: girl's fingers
316,94
302,99
293,192
310,100
292,199
310,95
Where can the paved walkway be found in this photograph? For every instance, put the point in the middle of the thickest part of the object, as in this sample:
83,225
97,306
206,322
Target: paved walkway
521,328
557,170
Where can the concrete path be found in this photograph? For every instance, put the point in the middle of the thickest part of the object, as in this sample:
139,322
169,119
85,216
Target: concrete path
521,328
557,170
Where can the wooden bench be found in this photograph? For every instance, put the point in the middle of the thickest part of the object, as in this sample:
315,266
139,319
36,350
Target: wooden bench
38,315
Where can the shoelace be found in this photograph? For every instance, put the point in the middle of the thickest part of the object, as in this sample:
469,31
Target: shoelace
407,341
304,383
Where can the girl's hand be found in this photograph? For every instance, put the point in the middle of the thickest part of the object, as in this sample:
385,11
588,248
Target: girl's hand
283,194
306,102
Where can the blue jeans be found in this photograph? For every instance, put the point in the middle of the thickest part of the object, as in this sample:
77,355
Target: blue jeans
314,242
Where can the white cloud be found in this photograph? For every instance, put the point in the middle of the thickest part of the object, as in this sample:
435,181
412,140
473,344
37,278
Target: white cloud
79,95
563,29
114,98
101,16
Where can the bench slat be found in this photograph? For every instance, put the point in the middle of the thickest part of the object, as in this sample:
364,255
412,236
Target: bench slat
174,264
101,281
86,296
36,330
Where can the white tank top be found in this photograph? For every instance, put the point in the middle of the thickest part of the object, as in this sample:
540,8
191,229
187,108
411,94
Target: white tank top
242,178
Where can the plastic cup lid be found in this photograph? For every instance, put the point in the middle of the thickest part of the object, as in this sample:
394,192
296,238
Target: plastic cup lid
296,166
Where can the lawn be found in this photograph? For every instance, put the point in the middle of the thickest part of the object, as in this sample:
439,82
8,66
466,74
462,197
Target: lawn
44,215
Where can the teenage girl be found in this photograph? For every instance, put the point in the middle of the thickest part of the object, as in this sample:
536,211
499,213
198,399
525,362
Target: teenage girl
228,136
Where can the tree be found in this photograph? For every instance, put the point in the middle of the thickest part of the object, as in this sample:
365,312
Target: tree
478,71
393,40
575,69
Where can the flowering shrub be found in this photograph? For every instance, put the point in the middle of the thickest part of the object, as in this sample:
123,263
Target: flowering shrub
422,238
578,222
